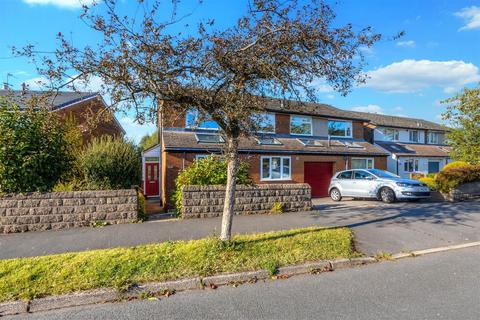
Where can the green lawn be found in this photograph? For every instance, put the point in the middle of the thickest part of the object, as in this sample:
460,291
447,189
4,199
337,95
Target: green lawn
28,278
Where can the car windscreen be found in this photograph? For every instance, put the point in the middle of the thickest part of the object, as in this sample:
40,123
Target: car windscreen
382,173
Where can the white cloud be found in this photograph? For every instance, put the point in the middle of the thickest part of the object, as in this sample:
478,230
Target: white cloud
134,130
70,4
324,88
330,96
372,108
471,17
38,83
368,51
409,76
406,44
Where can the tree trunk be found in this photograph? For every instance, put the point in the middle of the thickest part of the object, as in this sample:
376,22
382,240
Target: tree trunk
229,204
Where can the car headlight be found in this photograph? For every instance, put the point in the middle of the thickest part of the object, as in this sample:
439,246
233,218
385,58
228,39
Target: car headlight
403,184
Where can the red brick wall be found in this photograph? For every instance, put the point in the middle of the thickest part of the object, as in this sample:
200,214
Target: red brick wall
282,123
93,119
173,163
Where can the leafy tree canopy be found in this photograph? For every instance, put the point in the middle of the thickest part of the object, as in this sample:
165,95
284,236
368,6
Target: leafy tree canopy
463,116
34,149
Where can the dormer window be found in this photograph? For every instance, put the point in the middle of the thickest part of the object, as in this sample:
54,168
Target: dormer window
341,129
265,122
413,135
192,121
301,125
391,134
433,137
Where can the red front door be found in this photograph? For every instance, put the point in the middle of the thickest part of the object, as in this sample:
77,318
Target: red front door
152,186
318,175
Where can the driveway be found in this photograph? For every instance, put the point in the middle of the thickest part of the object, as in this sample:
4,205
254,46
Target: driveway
378,227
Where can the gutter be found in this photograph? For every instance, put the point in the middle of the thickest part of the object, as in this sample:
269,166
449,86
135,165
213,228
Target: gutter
263,151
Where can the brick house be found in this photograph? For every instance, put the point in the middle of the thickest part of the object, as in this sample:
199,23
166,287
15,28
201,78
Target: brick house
415,146
88,109
299,142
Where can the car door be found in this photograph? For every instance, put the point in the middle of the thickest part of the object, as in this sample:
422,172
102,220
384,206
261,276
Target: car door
345,182
363,184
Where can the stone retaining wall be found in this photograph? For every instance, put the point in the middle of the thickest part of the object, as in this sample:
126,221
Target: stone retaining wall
207,201
59,210
465,191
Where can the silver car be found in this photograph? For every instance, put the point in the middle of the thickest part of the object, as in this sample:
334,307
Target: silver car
374,183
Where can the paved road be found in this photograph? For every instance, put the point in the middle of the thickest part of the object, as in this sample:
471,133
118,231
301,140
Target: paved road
378,227
439,286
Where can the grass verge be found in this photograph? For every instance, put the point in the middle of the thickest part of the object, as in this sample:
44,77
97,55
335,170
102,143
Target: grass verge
27,278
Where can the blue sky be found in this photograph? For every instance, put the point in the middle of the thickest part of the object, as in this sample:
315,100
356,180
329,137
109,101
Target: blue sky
438,55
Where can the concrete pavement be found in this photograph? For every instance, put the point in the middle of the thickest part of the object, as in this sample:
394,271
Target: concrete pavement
438,286
377,226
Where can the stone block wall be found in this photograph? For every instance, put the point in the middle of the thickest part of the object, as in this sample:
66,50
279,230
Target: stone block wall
465,191
207,201
60,210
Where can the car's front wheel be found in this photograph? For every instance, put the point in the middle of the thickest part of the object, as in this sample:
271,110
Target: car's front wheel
387,195
335,194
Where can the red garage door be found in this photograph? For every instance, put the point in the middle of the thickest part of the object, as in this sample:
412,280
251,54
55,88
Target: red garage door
318,175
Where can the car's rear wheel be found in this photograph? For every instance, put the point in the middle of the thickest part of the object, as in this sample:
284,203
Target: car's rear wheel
335,194
387,195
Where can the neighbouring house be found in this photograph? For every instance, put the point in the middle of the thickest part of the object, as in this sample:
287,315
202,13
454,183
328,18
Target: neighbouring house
415,146
298,143
88,109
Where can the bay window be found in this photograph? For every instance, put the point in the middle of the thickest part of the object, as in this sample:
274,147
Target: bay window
338,128
275,168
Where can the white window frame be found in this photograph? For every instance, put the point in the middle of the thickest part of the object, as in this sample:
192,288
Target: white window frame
436,134
274,122
201,156
301,134
415,165
366,162
396,134
282,178
196,113
337,120
410,136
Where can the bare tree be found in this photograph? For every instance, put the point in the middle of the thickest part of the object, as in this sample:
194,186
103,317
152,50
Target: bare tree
278,48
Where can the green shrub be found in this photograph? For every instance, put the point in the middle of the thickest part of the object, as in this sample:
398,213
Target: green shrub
111,163
455,164
142,215
430,182
72,185
34,150
450,177
277,208
207,171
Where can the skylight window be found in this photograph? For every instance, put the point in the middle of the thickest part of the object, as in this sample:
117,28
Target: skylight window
353,145
209,138
312,142
268,141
